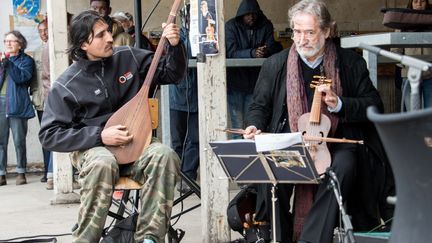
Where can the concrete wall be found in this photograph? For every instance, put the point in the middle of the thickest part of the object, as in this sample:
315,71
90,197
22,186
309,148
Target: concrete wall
357,16
361,15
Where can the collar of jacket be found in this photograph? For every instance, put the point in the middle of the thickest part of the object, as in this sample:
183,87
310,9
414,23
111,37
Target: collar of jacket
13,58
92,66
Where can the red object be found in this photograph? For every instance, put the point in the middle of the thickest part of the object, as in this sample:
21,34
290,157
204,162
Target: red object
117,195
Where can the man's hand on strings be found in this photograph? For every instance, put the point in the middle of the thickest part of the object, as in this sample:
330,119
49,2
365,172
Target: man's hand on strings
329,96
172,33
116,136
250,132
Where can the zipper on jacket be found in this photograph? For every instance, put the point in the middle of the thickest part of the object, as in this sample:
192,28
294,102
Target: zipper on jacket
103,85
100,79
251,39
5,82
103,68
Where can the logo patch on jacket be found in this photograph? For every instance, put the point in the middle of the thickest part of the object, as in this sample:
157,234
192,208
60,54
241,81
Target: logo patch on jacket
125,77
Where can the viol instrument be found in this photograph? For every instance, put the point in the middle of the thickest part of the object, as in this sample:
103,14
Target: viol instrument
315,124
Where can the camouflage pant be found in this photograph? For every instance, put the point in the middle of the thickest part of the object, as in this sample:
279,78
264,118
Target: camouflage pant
156,169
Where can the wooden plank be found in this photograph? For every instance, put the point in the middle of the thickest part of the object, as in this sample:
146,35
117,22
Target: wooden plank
126,183
212,112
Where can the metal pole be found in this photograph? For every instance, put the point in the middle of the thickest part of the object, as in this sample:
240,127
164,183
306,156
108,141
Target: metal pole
138,23
274,199
348,236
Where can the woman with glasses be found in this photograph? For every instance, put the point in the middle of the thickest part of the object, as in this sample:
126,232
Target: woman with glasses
16,73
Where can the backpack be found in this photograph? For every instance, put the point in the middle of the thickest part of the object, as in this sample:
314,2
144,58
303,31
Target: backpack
122,232
240,214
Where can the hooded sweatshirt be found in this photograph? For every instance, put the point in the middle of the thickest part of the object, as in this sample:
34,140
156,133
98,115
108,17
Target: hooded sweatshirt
241,42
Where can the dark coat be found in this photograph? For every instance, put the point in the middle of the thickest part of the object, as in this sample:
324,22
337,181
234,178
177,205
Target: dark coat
184,96
20,70
241,42
268,113
85,96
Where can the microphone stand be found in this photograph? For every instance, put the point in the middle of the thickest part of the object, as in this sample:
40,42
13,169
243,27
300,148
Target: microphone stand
415,69
347,230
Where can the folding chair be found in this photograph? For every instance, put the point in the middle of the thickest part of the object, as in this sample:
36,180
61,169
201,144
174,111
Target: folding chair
407,139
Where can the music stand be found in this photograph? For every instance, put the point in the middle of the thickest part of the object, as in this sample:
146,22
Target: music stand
242,163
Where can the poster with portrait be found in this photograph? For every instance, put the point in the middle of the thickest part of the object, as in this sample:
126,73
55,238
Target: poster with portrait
203,27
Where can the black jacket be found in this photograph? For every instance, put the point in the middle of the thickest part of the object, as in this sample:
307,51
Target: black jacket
268,112
84,97
241,42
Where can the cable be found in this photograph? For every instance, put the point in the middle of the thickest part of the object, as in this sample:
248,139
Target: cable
32,237
379,226
184,15
150,14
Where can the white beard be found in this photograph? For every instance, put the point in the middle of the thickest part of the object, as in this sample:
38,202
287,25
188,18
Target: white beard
311,52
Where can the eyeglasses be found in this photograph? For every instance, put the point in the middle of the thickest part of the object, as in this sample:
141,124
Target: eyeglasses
308,34
10,41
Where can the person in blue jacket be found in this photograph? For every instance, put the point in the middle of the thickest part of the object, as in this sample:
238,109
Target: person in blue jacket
248,35
184,113
16,73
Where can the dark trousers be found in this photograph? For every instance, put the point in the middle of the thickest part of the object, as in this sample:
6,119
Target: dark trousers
46,153
324,214
185,140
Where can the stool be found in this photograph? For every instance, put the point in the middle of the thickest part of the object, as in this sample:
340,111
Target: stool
126,185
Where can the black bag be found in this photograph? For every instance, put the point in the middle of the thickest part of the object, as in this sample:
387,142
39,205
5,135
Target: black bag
240,213
123,231
243,203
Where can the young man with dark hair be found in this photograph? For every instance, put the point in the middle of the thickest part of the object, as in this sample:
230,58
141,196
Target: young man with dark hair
100,81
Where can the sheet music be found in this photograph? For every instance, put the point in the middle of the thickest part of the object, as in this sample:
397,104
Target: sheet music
268,142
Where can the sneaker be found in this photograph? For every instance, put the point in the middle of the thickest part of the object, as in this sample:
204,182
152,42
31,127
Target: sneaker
21,179
3,180
43,179
50,184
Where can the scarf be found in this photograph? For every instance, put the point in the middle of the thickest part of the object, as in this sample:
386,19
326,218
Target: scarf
297,106
296,95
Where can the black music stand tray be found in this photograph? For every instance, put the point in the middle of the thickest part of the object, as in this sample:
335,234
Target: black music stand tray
243,164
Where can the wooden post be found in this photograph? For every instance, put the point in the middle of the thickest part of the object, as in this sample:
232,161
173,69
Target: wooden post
165,115
58,39
212,106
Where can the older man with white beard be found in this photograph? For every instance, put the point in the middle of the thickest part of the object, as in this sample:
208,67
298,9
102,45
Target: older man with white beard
282,94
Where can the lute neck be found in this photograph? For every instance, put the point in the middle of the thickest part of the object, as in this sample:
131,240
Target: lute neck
161,45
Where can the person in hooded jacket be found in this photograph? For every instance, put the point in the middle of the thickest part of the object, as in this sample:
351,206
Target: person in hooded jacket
248,35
